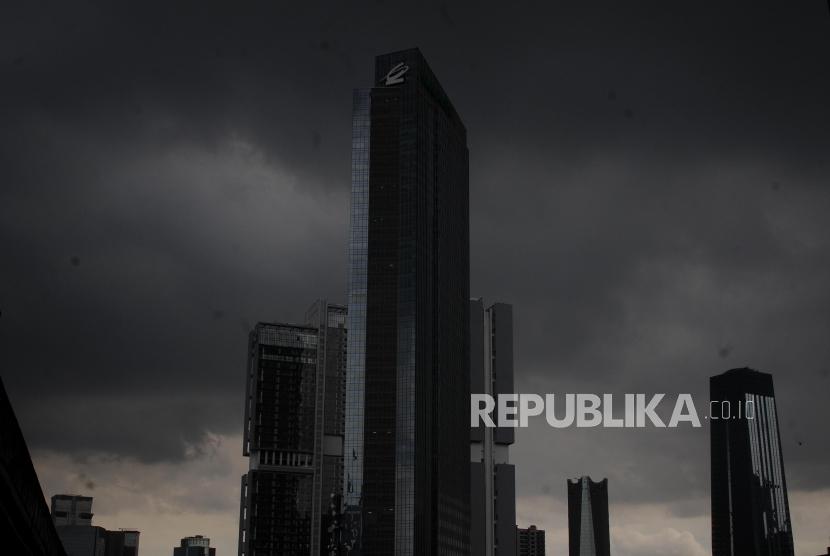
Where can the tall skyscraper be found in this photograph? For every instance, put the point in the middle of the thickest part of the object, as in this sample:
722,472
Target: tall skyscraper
530,541
407,390
293,434
492,476
194,546
750,510
588,533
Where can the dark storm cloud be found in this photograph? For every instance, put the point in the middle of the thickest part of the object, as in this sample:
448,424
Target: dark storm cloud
648,188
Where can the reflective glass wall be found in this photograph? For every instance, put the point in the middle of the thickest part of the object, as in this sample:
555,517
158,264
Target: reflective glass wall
356,357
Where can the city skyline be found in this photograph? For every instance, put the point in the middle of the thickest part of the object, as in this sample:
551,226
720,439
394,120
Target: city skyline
648,189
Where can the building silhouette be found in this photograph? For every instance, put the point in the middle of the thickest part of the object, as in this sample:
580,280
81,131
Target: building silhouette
750,509
24,516
196,545
530,541
492,476
407,393
588,533
293,435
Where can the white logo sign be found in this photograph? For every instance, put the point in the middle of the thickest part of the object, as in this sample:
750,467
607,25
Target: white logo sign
395,75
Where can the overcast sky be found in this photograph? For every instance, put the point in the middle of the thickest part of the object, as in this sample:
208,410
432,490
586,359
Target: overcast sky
649,189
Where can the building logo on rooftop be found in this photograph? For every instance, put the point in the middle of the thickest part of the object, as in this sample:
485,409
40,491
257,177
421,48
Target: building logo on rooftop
395,75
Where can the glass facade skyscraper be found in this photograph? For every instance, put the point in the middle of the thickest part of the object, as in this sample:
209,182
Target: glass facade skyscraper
406,484
750,509
588,529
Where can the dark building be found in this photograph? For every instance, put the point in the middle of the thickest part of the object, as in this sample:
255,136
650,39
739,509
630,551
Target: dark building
407,401
492,476
123,542
530,541
293,435
83,540
750,510
330,321
194,546
24,516
588,531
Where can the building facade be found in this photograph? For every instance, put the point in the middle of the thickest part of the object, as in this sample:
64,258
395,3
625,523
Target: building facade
492,476
194,546
406,488
83,540
750,508
123,542
71,509
293,435
588,529
530,541
331,324
72,515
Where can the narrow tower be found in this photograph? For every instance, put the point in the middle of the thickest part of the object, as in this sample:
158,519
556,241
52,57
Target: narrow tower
493,516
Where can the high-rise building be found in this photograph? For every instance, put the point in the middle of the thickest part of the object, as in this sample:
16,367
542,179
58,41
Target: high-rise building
750,509
330,321
194,546
588,533
492,476
71,509
530,541
407,389
293,435
24,516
